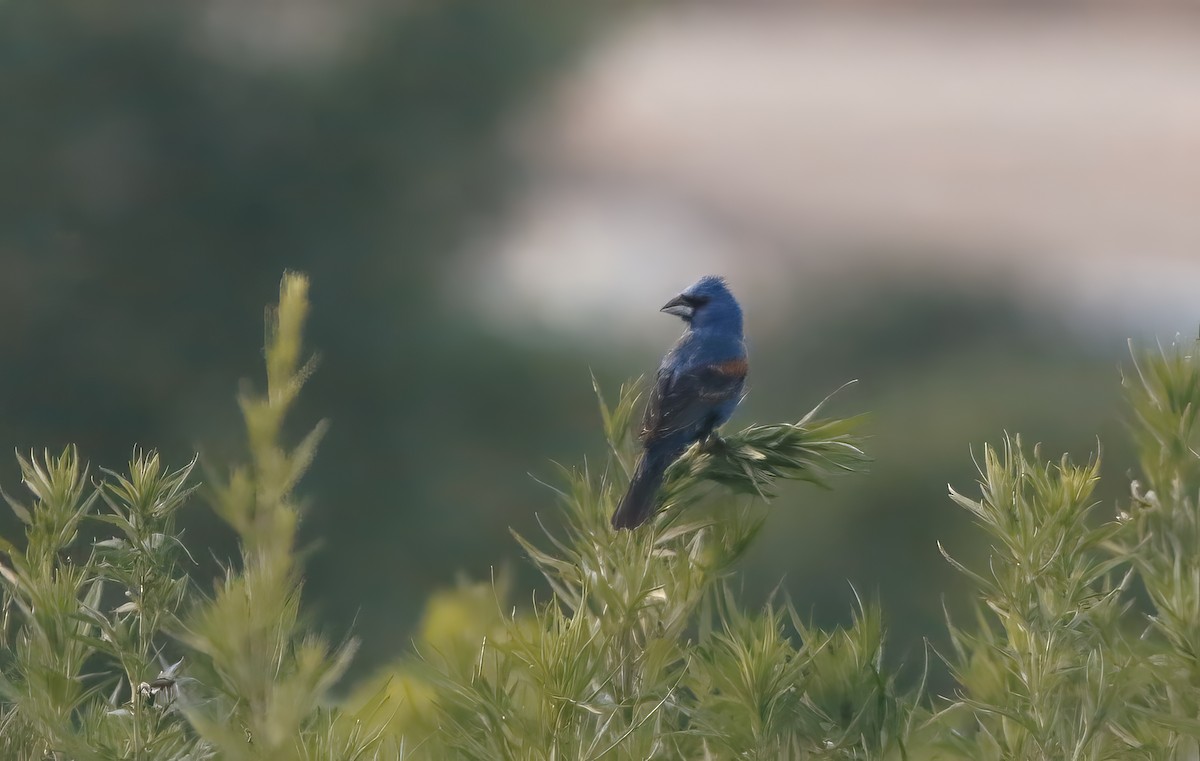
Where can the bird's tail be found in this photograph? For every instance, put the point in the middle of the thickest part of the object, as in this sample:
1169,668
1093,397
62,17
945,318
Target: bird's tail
639,501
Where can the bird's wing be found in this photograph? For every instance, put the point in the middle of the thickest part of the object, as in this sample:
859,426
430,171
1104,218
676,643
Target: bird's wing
682,399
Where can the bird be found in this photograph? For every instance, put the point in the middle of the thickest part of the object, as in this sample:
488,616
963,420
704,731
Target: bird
697,388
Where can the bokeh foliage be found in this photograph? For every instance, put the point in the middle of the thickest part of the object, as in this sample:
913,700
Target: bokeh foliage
161,166
158,174
153,187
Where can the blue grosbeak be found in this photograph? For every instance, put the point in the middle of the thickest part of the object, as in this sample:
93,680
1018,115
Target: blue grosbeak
698,386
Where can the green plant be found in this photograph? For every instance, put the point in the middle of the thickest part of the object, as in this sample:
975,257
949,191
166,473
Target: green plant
1043,670
640,649
642,652
1063,662
87,627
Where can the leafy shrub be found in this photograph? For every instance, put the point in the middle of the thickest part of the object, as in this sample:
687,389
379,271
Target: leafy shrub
1085,643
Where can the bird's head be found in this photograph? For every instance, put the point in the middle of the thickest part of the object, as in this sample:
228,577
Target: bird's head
707,303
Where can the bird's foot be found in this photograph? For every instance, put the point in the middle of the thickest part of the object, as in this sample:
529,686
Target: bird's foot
712,444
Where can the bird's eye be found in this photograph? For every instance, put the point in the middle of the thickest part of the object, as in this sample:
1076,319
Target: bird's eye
695,301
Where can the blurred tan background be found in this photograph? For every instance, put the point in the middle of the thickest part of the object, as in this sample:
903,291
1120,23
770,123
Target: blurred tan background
967,207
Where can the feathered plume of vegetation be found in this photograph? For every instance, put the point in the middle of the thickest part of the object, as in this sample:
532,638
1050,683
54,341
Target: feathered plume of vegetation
110,652
641,649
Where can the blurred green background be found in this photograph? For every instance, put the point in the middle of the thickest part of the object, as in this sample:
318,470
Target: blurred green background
489,219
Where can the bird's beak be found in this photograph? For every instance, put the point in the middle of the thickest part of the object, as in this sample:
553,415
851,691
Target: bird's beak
679,307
